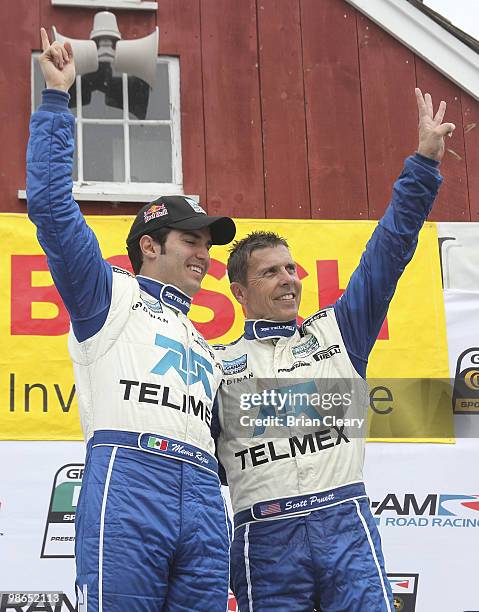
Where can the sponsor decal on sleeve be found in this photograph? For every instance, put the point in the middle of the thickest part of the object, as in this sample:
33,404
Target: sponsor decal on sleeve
315,317
118,270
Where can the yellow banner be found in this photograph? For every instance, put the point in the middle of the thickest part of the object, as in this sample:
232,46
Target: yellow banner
37,400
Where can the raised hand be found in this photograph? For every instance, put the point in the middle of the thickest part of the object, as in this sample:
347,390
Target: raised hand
57,63
431,129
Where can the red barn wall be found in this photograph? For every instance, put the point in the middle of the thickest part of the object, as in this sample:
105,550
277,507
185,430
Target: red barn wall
289,108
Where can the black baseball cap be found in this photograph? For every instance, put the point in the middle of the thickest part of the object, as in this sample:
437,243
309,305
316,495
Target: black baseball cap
179,212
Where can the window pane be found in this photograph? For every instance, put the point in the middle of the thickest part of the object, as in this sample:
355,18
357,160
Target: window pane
150,153
151,147
102,94
103,153
145,103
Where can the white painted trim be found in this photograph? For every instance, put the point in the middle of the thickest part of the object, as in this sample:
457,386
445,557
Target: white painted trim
120,192
101,4
102,529
426,38
374,554
175,118
126,127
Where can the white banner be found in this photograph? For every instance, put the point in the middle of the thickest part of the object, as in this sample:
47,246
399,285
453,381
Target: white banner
39,488
425,499
40,484
459,248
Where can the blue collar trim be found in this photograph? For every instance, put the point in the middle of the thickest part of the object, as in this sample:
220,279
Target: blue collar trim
267,330
167,294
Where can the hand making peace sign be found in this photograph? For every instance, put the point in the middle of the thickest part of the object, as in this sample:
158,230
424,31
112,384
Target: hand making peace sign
431,128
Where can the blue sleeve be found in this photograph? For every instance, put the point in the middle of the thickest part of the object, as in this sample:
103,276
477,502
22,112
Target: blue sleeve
82,277
362,308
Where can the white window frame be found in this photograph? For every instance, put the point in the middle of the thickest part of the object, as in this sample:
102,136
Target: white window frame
127,191
101,4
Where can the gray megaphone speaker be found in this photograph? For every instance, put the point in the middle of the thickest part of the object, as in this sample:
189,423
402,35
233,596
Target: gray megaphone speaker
85,52
138,57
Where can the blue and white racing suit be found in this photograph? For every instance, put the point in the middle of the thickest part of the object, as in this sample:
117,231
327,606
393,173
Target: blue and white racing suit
304,534
151,527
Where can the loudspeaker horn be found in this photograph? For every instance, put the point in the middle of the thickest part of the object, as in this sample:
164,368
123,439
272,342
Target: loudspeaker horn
85,52
137,57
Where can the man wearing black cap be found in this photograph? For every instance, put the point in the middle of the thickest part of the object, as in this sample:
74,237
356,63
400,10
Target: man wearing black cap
151,527
153,225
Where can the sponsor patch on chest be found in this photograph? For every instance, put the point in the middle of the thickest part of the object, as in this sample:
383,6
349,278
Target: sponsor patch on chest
152,309
296,364
235,366
150,302
305,348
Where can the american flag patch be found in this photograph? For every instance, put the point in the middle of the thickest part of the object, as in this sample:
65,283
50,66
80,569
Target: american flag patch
267,509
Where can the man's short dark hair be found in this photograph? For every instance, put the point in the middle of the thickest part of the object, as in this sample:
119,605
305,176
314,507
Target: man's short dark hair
134,250
241,251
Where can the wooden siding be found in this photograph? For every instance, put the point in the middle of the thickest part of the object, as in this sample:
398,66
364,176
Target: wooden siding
289,108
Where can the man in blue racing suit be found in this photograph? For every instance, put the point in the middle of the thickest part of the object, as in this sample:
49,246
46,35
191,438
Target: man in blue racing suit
304,534
151,528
